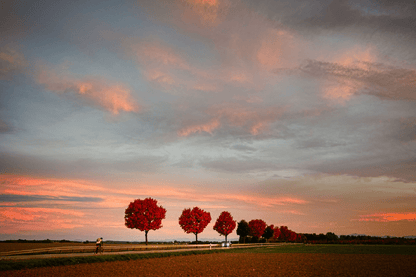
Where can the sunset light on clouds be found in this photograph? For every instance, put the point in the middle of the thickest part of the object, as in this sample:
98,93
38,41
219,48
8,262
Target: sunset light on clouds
299,113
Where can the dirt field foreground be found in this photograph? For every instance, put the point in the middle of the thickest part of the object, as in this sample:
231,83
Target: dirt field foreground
241,264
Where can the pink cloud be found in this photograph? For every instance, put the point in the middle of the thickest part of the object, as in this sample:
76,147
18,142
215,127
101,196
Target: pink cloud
278,49
113,97
249,99
355,58
154,52
269,201
27,185
17,219
340,90
205,12
244,56
207,127
387,217
206,87
162,77
252,120
11,62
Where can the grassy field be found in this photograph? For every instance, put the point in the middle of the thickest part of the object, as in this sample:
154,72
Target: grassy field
322,249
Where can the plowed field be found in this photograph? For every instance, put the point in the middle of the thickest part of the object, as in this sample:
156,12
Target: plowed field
241,264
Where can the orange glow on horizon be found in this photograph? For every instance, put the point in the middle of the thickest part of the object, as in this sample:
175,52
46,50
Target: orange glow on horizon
387,217
121,197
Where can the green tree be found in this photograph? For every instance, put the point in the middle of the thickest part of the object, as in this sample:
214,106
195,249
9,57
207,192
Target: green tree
243,230
268,232
331,236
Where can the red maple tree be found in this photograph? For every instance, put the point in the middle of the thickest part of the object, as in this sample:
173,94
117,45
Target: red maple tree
287,235
276,233
194,221
144,215
225,224
257,227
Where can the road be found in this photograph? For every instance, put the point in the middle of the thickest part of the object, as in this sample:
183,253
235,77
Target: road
154,250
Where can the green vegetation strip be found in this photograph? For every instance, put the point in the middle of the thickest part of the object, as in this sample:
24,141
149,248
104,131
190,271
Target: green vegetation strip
323,249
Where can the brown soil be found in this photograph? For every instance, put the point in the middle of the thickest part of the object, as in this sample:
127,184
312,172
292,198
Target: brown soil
241,264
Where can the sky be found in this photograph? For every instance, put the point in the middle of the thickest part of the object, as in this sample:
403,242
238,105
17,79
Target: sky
301,113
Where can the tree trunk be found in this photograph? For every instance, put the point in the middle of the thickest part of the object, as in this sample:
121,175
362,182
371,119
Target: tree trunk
196,238
225,238
145,234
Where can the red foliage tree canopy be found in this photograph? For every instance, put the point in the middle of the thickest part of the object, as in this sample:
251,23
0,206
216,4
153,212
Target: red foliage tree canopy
194,221
257,227
276,233
287,235
225,224
144,215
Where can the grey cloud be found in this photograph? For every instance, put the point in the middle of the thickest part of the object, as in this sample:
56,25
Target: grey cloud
326,190
370,166
377,79
342,13
31,198
235,165
403,129
82,168
4,127
12,26
12,62
241,147
319,143
374,16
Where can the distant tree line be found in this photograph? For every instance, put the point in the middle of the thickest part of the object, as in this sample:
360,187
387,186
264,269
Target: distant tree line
38,241
258,231
331,238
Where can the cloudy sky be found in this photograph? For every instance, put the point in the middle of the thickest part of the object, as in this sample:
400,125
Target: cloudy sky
300,113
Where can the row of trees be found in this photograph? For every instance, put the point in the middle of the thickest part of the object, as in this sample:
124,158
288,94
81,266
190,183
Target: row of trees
257,228
146,215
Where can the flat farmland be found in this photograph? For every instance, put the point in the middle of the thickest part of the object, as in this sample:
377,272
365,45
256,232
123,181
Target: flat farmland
296,260
241,264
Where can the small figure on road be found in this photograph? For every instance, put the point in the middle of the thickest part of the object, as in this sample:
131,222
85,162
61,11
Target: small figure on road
101,245
97,245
